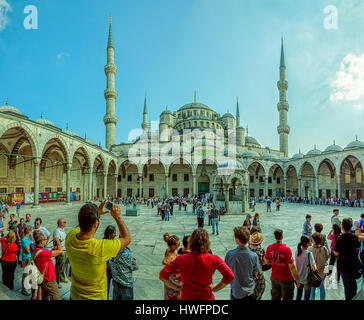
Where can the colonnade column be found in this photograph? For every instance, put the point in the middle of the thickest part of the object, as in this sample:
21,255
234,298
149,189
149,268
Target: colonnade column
316,187
105,185
227,206
193,184
36,162
116,186
266,185
68,182
299,186
166,191
90,185
140,185
285,186
339,186
243,200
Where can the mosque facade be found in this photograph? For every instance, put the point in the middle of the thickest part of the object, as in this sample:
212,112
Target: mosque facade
40,162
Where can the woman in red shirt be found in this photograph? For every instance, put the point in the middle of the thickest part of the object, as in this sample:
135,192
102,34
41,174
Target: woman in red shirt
196,269
8,258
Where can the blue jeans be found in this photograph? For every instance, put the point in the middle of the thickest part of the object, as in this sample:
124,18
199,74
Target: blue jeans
215,222
122,293
350,286
166,216
322,291
209,220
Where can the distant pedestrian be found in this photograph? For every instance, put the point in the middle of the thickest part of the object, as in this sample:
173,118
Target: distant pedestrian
18,209
215,218
200,216
269,202
307,228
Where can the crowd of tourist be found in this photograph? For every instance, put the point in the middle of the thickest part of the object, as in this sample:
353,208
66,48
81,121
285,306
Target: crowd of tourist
188,266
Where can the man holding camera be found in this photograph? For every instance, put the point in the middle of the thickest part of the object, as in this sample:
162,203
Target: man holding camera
88,256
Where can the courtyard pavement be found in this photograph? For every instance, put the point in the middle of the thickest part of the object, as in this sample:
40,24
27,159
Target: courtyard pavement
148,247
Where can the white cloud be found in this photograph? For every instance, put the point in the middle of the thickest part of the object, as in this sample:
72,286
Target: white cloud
61,55
4,10
349,82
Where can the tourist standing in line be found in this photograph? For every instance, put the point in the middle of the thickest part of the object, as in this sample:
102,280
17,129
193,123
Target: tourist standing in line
245,266
12,223
307,228
44,263
269,203
88,256
320,255
200,216
256,240
256,222
209,215
318,228
169,256
2,226
215,218
166,211
26,255
122,267
335,218
61,259
185,248
8,258
247,222
18,209
28,220
348,263
304,263
38,226
253,205
19,234
197,269
279,255
334,234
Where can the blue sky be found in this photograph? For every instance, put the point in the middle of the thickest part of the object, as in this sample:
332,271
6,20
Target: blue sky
169,48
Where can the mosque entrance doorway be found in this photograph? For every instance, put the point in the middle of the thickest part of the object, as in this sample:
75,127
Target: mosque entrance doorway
203,185
359,194
347,194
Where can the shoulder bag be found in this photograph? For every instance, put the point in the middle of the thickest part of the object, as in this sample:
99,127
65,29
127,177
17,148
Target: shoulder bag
313,277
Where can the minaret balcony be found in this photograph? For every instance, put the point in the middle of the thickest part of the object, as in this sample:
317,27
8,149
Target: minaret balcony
283,106
110,118
282,85
283,129
110,93
110,68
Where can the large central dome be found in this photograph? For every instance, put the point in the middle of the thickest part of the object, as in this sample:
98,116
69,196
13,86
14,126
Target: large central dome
195,105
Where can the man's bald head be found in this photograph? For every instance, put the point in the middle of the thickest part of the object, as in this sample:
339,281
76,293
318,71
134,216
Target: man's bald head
61,222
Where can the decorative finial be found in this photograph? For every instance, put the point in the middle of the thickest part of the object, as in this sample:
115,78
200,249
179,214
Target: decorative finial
7,102
299,151
356,136
227,111
66,125
334,141
166,108
85,136
315,146
110,19
247,130
282,40
41,115
195,97
99,143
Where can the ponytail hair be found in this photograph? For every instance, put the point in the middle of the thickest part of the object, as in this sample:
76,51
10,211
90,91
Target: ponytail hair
171,240
304,242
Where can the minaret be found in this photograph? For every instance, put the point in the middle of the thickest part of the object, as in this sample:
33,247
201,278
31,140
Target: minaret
237,113
110,119
145,116
283,106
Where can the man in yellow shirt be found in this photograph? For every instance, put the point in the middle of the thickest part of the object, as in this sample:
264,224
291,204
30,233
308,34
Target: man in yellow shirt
88,256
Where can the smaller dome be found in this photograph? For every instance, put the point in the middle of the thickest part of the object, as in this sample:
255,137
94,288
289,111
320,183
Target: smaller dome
228,115
313,152
251,140
285,159
250,154
45,122
166,111
355,144
333,148
267,156
230,165
11,109
298,155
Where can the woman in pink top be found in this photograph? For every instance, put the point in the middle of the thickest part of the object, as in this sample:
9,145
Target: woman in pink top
196,269
333,235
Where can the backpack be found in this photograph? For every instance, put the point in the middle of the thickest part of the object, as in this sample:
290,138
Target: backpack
33,269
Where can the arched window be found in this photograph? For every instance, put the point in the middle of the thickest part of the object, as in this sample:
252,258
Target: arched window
19,168
3,166
358,175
